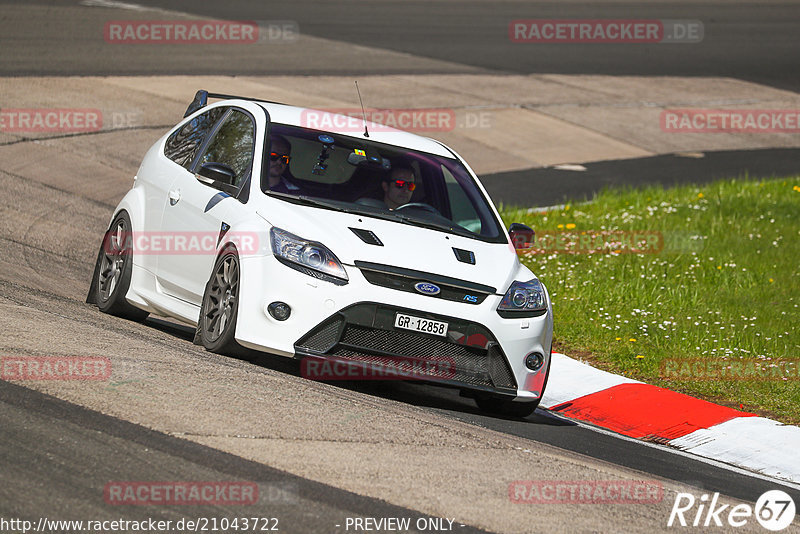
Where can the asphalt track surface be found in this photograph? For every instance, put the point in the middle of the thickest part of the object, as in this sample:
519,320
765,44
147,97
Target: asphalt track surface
551,186
748,40
71,471
757,41
57,455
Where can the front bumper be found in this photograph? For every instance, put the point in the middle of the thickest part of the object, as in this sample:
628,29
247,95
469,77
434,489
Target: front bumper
468,356
355,323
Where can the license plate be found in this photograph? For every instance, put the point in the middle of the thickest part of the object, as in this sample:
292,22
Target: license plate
418,324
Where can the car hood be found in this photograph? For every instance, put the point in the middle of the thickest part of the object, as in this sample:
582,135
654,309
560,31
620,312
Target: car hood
403,245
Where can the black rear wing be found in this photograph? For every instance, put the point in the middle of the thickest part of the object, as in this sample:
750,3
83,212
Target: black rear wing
201,100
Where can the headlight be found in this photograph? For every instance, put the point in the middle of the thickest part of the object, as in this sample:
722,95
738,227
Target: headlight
523,298
309,257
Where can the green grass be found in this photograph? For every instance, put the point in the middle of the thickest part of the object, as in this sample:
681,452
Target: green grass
725,287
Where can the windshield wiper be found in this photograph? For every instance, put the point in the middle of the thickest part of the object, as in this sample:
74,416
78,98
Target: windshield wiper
309,201
320,203
425,223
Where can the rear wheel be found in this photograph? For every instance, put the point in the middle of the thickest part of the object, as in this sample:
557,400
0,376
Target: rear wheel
217,324
113,272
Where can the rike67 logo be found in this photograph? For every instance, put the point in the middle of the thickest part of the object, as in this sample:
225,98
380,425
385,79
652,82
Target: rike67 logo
774,510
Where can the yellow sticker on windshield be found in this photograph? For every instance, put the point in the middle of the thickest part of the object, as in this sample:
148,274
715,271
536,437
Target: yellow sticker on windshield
359,152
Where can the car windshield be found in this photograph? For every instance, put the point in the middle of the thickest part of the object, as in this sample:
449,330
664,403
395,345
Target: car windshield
361,176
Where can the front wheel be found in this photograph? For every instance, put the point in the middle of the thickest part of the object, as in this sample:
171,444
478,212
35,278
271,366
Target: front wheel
112,277
514,409
217,323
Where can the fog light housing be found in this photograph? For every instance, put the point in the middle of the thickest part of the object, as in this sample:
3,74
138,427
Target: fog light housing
280,311
534,361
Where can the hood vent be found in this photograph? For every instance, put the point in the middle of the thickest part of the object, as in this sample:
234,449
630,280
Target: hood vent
367,236
464,256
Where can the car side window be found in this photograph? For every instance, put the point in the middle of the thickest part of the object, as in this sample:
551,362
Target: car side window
182,146
232,146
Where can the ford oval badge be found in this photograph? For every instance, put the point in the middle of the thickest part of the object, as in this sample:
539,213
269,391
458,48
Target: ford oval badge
426,288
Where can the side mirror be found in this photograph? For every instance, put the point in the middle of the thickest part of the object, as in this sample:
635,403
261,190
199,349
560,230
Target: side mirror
217,172
522,236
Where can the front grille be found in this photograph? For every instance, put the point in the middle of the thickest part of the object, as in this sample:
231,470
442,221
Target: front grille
366,333
464,376
403,279
420,372
401,343
498,368
325,336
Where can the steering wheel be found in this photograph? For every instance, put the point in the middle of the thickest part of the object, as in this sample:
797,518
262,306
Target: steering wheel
418,205
371,202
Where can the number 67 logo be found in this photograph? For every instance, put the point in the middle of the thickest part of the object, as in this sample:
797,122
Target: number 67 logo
775,510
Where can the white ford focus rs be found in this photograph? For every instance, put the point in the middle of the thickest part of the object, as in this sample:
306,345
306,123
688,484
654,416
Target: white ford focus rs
376,251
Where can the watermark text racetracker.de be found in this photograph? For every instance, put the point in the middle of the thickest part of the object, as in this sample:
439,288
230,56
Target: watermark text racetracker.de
200,32
95,526
585,492
730,121
408,119
163,243
50,120
627,31
55,368
66,120
181,493
385,368
596,242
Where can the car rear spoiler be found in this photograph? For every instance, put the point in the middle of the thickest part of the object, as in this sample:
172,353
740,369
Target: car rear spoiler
201,100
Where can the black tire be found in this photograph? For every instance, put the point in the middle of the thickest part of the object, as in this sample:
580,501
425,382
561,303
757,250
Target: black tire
112,275
506,407
514,409
216,325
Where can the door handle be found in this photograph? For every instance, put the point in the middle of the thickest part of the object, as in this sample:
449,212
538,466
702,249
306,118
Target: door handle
174,196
